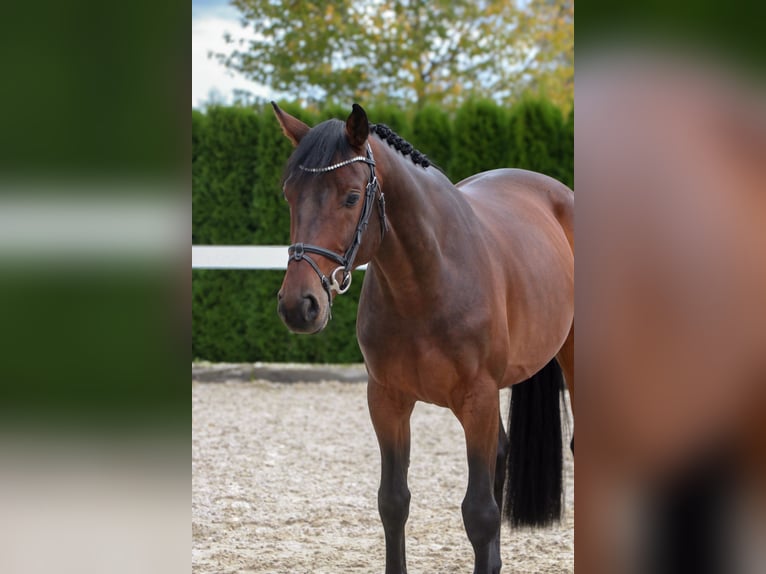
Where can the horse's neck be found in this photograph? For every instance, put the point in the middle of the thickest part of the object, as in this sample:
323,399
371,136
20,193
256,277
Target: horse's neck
428,219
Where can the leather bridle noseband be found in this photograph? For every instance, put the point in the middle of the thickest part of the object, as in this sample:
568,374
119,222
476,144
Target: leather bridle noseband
300,251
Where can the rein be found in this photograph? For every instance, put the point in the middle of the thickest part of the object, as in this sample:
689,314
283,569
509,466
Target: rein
300,251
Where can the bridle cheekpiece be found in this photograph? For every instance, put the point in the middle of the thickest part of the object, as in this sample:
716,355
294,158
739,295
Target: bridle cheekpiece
300,251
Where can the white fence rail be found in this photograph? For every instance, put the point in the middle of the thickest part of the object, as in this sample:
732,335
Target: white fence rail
240,257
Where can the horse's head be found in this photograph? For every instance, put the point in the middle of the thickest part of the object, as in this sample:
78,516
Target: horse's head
332,189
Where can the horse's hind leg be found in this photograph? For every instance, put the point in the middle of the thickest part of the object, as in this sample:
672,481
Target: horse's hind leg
390,412
481,514
565,358
500,462
500,471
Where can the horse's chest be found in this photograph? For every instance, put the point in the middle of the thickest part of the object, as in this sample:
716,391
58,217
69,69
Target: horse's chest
424,363
426,374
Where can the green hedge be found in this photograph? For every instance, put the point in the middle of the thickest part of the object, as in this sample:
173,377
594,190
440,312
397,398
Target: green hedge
223,176
481,139
235,319
270,215
537,138
238,156
432,131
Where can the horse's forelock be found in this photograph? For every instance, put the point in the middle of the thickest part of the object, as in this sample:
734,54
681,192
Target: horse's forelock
325,144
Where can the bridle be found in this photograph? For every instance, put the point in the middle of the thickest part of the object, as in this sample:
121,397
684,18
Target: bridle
300,251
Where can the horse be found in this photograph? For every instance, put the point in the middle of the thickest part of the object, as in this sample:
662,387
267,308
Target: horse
469,289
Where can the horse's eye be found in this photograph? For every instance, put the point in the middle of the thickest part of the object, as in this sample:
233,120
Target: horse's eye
352,199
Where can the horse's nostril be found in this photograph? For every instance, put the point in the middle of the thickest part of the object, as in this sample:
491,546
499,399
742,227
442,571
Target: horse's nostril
310,308
279,296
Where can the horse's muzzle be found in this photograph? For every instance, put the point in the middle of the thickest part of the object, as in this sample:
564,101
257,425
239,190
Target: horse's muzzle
302,314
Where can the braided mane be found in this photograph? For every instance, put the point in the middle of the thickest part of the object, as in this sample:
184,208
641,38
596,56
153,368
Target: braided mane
326,143
400,144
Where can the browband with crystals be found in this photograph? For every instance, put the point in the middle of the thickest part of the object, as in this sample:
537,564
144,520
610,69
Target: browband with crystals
337,165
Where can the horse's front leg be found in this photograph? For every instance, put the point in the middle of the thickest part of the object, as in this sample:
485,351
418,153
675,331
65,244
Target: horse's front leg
390,412
478,414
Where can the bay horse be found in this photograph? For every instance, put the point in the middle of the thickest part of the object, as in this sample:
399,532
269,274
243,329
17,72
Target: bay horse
469,289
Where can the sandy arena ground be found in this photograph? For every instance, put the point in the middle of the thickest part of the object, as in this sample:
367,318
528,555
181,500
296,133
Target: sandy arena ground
285,478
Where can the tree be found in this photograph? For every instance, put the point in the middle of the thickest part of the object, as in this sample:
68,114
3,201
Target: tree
548,26
437,51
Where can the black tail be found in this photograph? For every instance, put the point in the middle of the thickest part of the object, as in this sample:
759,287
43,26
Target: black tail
534,484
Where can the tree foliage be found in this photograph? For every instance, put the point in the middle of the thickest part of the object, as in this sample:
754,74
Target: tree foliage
548,26
438,51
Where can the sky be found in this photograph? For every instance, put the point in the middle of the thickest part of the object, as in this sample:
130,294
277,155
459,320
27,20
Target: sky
210,20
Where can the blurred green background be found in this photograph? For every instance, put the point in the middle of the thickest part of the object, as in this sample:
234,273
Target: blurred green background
92,131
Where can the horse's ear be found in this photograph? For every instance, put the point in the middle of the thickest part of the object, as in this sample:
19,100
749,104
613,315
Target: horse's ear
357,126
292,127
